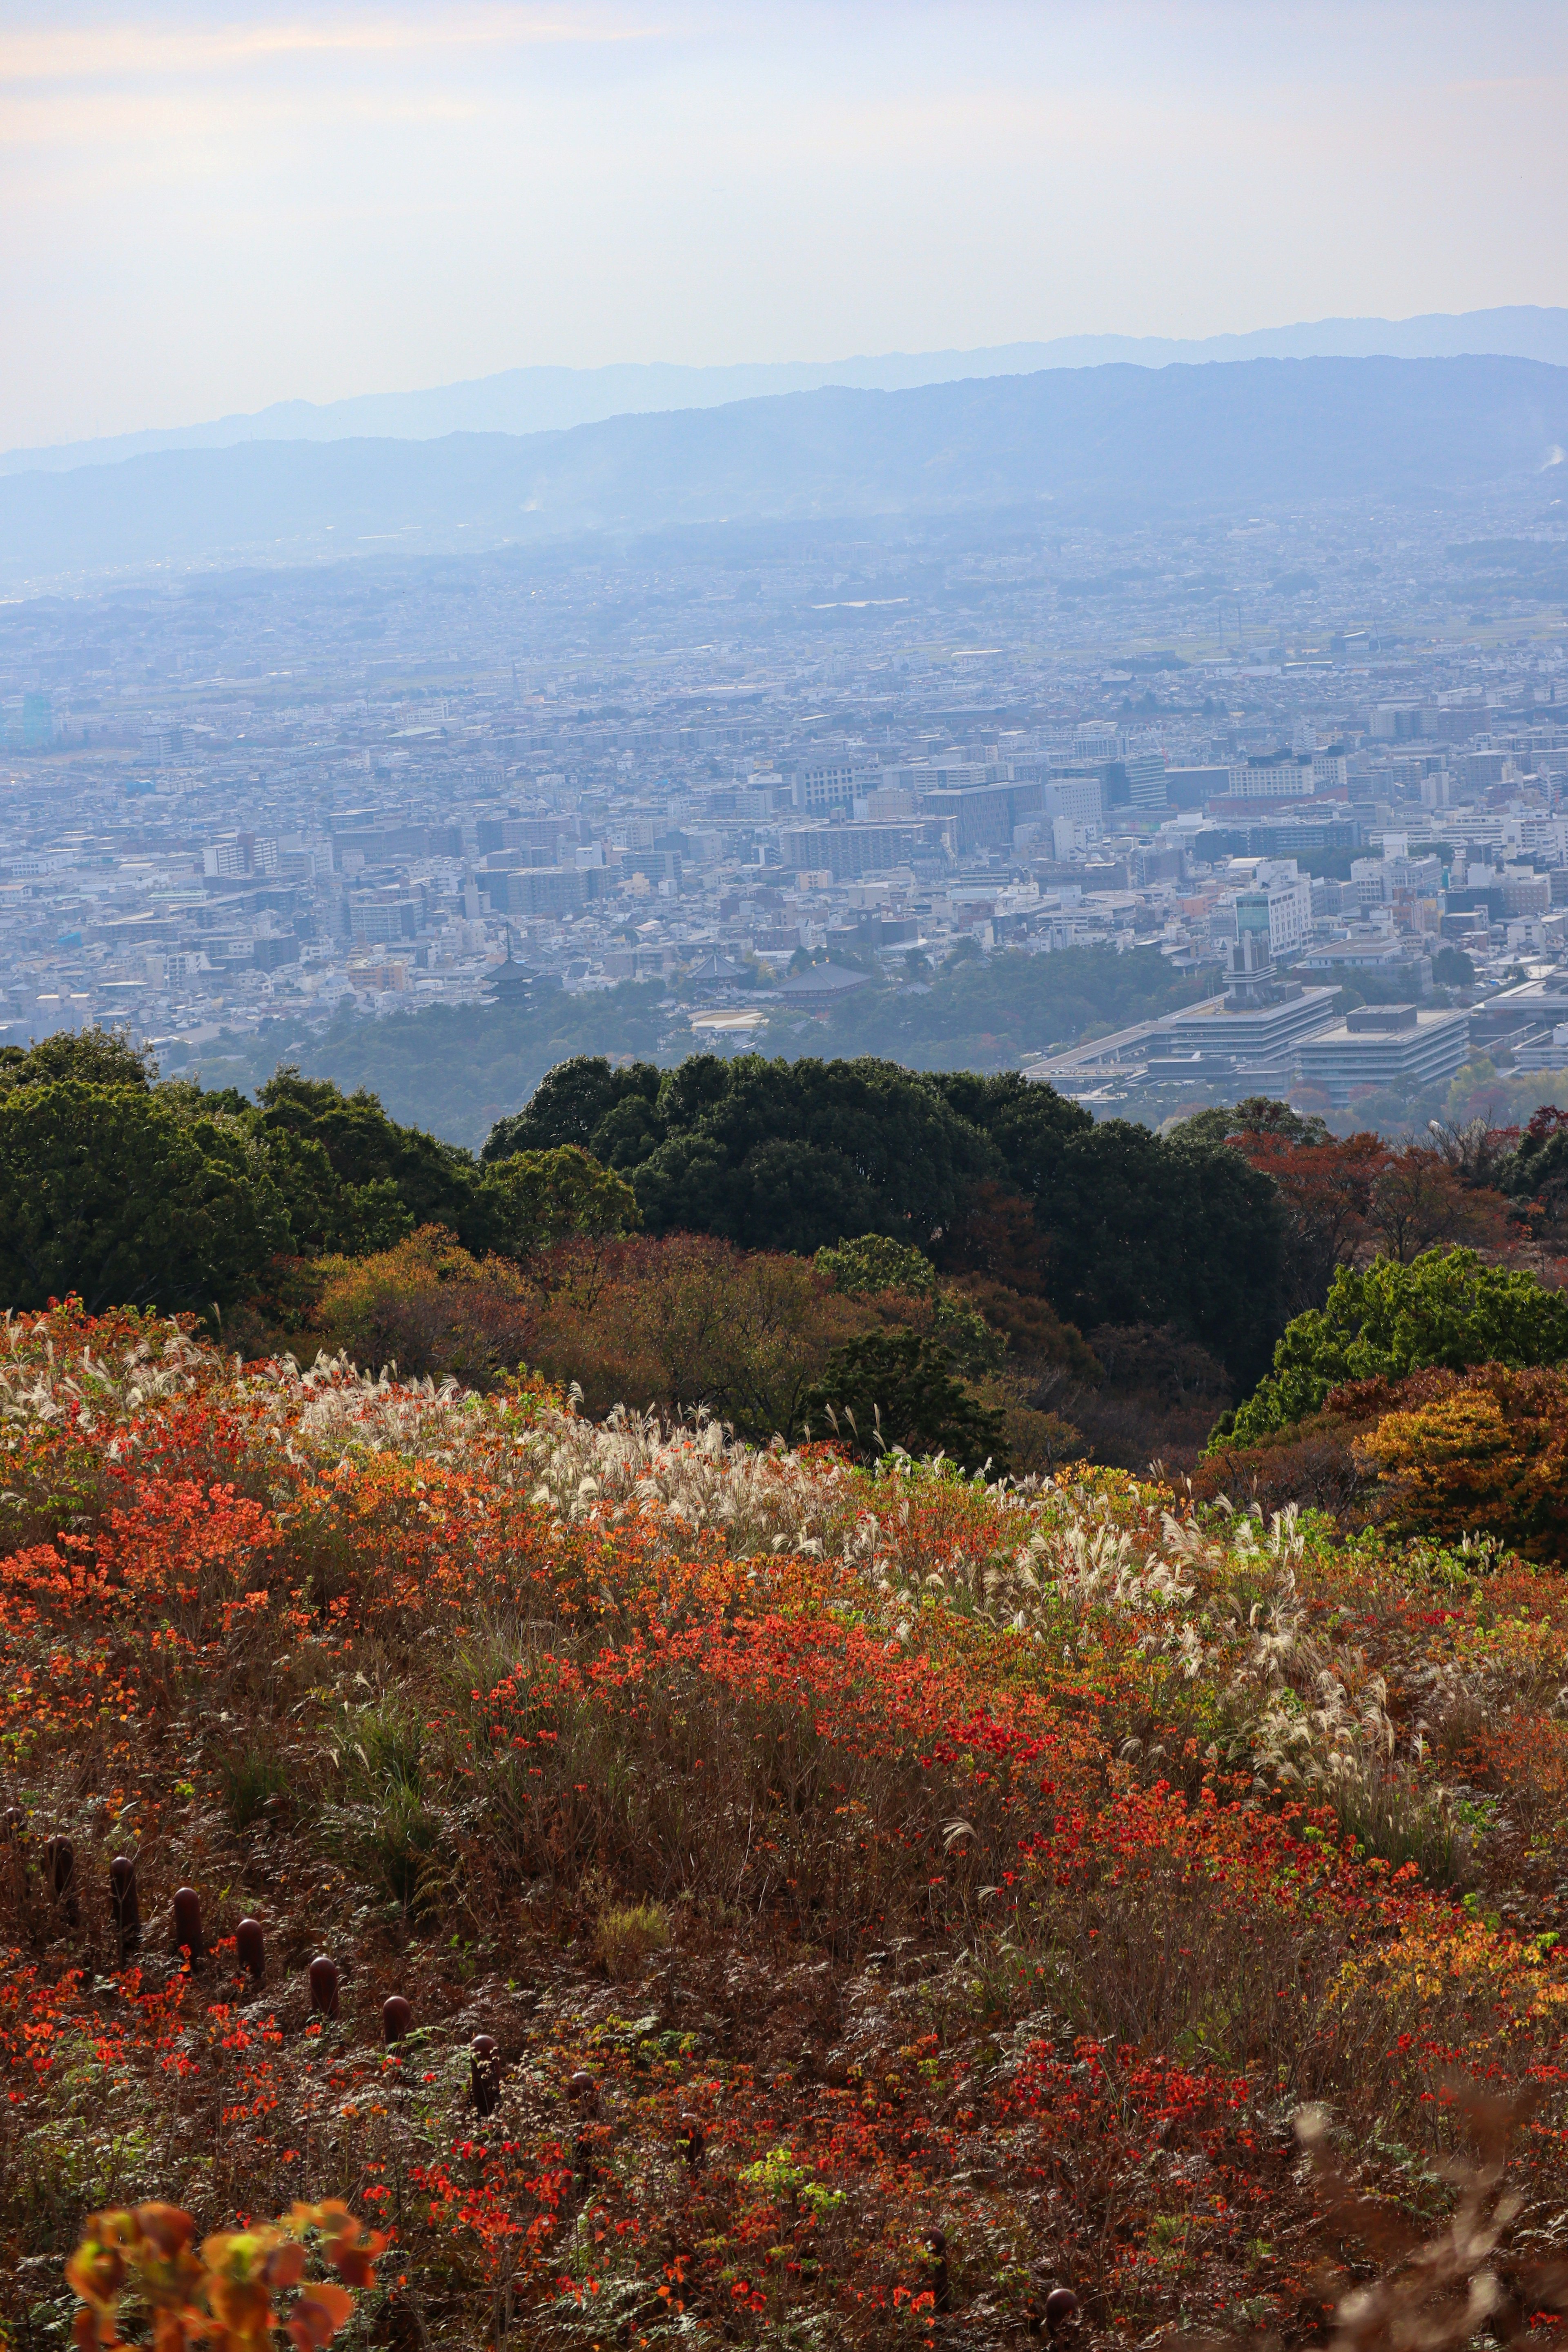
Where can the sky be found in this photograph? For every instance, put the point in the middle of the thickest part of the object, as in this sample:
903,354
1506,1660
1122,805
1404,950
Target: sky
206,208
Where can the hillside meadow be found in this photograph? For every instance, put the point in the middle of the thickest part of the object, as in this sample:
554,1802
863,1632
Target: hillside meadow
676,1894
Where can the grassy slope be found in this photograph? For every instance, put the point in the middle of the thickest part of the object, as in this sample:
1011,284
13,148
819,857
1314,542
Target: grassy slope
1007,1864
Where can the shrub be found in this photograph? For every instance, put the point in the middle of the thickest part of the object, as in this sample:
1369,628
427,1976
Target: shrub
1485,1450
686,1321
220,2293
255,1785
426,1305
628,1936
1310,1463
1155,1397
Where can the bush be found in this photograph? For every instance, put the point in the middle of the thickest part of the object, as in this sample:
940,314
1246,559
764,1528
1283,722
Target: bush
685,1321
1444,1308
1310,1463
628,1936
900,1389
1154,1398
429,1307
1486,1450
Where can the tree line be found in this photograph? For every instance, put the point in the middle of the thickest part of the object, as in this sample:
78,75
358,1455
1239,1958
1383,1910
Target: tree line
1232,1257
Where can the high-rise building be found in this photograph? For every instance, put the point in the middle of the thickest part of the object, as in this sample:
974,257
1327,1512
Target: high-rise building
1146,779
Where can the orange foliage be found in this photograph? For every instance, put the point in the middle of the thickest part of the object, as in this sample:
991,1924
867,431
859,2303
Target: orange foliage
1483,1450
962,1806
224,2292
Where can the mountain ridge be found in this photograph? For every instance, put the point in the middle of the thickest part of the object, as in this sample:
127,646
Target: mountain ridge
549,399
1118,438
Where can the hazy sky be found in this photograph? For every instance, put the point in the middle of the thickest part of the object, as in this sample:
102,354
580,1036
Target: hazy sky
206,208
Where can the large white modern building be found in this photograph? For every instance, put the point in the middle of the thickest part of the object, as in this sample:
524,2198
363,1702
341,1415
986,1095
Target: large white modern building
1383,1046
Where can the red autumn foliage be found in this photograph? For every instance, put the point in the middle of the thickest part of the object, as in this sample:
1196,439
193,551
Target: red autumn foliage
1010,1864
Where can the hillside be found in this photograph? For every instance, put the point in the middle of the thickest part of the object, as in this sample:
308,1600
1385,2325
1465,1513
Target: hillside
891,1900
1140,440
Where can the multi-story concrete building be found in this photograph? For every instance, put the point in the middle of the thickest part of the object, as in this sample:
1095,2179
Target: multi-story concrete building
1383,1046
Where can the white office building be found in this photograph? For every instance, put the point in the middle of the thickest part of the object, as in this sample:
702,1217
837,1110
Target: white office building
1383,1046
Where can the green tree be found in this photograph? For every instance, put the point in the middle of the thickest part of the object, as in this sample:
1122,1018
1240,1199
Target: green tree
777,1155
1452,968
379,1163
901,1389
1028,1124
1141,1228
1538,1169
328,1216
1254,1114
92,1057
570,1104
130,1200
1444,1308
1133,1227
535,1198
989,1012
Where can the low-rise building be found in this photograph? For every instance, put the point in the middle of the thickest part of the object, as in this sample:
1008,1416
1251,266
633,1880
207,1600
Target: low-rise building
1383,1046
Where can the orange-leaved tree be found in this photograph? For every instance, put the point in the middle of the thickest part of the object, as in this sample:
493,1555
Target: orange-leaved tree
1480,1451
1328,1189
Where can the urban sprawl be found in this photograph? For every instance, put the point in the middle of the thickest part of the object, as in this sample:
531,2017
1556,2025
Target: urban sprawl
1319,765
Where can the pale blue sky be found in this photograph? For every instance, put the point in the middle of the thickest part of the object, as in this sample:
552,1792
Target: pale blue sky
208,209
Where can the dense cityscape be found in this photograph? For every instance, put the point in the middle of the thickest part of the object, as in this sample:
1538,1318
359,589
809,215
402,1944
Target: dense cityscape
1316,765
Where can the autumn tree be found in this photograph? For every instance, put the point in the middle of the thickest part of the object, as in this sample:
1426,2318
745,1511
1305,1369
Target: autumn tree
1538,1171
1484,1450
429,1307
684,1320
1327,1188
1420,1199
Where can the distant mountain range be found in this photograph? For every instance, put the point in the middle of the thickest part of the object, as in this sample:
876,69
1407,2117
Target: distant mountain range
1116,441
553,399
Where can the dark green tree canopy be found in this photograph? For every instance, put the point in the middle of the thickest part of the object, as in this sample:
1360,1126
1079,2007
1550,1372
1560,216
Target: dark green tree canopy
1538,1169
901,1389
126,1198
1028,1124
770,1155
90,1058
1128,1226
381,1163
1145,1229
570,1104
